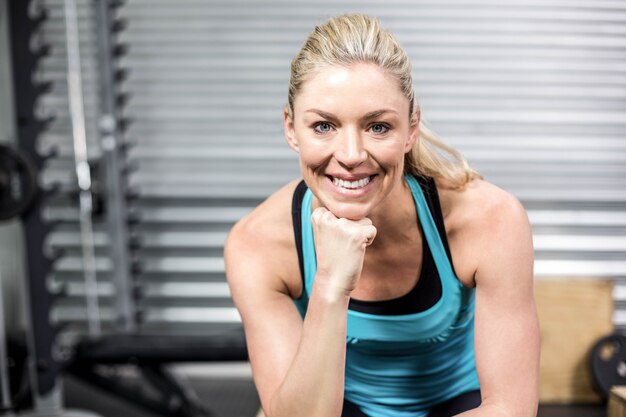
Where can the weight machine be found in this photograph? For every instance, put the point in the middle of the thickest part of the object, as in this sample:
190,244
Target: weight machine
94,357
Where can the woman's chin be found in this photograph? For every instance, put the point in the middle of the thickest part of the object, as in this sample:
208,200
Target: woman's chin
348,212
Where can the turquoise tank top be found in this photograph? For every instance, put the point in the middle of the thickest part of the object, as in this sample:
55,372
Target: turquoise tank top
403,365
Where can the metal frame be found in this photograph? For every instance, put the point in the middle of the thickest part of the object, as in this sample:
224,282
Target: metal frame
113,157
48,359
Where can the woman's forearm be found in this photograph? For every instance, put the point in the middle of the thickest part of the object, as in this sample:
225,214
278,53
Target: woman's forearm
314,383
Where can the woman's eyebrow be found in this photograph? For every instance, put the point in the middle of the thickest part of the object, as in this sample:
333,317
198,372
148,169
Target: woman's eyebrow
376,113
371,115
323,114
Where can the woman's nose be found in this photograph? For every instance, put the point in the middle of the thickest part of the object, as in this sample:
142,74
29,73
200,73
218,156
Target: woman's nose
350,151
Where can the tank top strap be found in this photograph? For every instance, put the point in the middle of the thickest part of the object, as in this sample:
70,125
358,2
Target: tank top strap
431,232
308,242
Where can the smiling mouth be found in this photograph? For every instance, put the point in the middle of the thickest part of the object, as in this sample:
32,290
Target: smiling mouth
351,185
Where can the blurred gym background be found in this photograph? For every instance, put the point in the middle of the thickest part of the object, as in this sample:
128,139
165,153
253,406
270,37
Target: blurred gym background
139,131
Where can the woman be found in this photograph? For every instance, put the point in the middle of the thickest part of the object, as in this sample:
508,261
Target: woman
392,280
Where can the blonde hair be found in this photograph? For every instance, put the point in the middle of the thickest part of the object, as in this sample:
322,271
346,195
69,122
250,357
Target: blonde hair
356,38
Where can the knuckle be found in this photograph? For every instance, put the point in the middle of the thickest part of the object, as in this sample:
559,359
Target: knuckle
318,214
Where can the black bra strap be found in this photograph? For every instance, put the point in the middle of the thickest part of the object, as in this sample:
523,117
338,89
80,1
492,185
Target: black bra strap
432,200
296,210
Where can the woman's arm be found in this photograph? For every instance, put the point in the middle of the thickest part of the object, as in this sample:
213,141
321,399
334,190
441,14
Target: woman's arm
507,340
298,366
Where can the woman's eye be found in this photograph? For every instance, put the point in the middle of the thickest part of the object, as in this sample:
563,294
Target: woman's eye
322,127
379,128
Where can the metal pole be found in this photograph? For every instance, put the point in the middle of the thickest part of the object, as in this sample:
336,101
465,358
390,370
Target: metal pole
116,205
4,366
75,90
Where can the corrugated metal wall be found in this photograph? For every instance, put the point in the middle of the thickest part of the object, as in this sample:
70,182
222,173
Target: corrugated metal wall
532,92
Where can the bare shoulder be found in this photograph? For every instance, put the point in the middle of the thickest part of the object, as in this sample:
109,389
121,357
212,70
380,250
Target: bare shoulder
480,203
483,222
261,245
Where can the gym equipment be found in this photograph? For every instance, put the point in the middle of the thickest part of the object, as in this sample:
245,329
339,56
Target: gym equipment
151,355
18,182
47,356
608,363
111,129
5,389
44,351
95,359
83,170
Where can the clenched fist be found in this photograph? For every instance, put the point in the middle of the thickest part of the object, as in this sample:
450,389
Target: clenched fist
340,247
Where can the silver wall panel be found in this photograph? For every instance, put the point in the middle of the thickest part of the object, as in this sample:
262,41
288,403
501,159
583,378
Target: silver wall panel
532,92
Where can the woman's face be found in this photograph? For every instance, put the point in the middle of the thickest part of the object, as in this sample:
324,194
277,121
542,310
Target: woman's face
351,128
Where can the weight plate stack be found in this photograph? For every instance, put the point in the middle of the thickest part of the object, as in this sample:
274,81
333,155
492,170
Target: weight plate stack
608,363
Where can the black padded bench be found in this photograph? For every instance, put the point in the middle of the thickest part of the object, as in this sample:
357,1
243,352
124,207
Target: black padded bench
154,387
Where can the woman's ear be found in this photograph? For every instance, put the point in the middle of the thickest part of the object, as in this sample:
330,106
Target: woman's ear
290,134
414,129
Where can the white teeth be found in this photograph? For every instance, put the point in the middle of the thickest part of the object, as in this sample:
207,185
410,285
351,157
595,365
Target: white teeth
352,185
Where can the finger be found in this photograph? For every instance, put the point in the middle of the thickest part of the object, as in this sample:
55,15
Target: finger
317,214
370,235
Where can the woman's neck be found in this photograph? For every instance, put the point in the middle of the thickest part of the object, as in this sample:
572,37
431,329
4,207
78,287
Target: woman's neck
395,218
